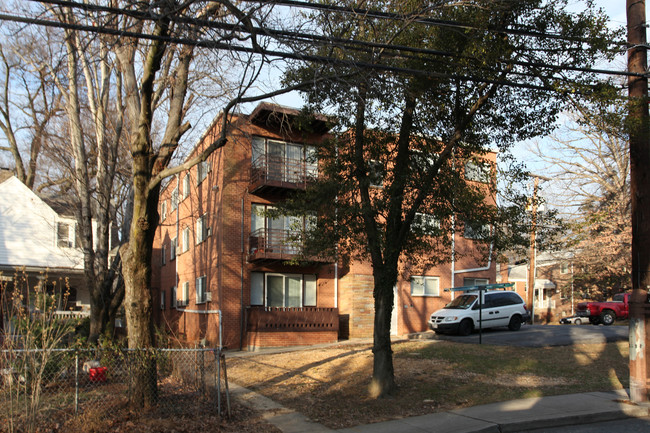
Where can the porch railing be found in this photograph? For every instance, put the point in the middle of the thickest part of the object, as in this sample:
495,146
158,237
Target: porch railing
292,319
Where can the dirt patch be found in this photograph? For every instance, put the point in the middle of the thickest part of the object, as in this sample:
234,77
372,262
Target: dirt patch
330,386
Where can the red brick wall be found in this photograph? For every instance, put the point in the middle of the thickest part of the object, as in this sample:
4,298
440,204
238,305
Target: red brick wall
256,340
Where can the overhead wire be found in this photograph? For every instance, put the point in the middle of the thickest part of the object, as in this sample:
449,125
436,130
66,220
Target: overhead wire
398,51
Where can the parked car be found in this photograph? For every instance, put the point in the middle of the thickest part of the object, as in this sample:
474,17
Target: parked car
576,320
605,312
461,316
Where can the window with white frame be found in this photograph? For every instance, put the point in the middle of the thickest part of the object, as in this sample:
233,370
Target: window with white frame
477,171
425,286
186,239
173,297
564,268
426,223
201,288
172,249
202,170
475,281
283,229
202,229
163,210
376,173
475,230
185,293
175,198
65,236
289,162
163,254
283,290
186,186
162,299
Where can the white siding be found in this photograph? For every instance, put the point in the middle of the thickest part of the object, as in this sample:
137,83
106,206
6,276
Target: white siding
28,235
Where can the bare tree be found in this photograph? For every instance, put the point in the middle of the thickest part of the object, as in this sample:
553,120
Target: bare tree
28,103
588,160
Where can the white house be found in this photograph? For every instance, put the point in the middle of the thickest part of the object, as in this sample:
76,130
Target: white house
39,243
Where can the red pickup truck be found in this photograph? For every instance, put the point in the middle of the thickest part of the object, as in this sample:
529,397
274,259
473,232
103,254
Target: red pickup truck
605,312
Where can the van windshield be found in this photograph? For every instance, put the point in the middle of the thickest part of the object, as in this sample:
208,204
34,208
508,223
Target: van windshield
462,302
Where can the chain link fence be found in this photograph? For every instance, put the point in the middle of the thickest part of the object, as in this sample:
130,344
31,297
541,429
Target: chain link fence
39,384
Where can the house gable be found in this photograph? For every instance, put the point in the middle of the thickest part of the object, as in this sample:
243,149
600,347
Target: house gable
29,231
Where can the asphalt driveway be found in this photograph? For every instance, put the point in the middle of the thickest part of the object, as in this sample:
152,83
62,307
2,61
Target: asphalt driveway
542,335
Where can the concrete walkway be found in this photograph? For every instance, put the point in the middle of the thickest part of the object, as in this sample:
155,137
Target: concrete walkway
509,416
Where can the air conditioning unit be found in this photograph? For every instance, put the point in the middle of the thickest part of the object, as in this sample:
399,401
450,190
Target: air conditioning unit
208,297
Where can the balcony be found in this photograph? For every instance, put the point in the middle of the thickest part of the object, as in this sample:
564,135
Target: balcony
276,174
268,245
272,244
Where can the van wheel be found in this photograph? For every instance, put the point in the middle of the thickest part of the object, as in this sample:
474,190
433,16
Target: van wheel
465,327
515,323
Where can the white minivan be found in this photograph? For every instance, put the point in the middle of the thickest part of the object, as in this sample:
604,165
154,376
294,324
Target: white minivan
461,316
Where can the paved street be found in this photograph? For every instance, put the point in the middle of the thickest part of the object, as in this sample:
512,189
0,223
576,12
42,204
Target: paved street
543,335
631,425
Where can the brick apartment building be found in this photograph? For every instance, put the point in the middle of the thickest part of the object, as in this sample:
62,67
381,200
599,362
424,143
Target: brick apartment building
219,261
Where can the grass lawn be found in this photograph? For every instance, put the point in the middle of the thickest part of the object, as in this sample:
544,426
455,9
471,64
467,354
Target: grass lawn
330,386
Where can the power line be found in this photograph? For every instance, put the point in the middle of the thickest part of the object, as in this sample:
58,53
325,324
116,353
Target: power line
415,18
302,37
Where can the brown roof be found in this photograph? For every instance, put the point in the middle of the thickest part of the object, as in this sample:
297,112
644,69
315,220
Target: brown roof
269,114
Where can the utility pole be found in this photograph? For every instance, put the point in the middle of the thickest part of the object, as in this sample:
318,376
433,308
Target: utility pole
530,298
640,192
531,261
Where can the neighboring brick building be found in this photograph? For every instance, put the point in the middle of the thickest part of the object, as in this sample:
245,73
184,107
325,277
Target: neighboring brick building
217,258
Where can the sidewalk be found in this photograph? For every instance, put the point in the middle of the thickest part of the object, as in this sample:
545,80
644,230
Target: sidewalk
509,416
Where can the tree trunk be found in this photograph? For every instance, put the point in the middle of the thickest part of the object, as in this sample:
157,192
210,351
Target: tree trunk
383,374
136,263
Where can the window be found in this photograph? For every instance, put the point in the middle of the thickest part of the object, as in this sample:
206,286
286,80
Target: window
284,161
202,170
309,299
163,210
172,249
564,268
65,235
281,231
186,239
162,299
476,231
163,254
426,223
175,198
477,171
425,286
376,173
173,297
283,290
202,229
201,295
475,281
185,294
186,186
257,288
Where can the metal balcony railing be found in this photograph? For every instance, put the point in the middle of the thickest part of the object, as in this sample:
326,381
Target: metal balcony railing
268,171
273,244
